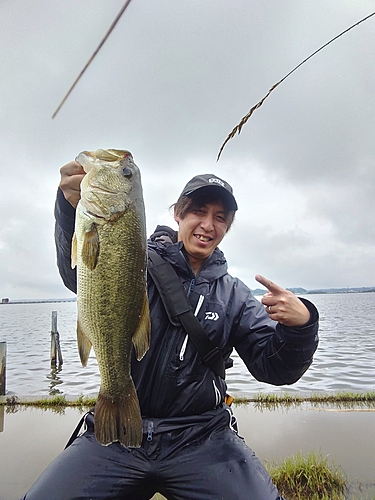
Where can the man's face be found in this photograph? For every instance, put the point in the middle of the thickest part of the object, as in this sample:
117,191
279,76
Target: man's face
201,231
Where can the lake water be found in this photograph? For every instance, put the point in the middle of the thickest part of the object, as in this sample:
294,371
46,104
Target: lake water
32,437
344,361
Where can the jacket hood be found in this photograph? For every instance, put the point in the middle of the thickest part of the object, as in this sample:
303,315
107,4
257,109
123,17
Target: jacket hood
164,241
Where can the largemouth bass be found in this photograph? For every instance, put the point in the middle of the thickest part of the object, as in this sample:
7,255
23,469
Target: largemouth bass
109,250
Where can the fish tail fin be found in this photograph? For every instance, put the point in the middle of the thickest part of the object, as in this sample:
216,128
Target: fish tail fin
84,345
119,418
141,337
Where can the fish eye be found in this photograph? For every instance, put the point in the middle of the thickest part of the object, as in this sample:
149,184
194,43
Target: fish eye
126,172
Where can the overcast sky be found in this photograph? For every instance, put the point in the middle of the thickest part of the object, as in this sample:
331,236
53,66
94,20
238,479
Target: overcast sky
169,84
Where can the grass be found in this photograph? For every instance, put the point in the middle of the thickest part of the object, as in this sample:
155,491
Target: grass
54,402
305,478
267,400
308,478
345,399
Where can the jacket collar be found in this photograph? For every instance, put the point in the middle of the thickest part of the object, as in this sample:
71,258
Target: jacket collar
164,241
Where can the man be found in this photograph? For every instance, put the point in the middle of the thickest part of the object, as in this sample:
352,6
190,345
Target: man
190,448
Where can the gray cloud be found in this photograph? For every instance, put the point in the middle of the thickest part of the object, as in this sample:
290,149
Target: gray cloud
170,83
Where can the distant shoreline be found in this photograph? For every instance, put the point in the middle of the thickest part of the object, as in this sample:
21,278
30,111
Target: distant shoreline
37,301
303,291
257,291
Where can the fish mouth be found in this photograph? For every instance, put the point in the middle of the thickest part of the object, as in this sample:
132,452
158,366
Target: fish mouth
84,159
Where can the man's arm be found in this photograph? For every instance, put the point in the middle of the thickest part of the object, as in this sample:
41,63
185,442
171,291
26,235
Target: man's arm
280,352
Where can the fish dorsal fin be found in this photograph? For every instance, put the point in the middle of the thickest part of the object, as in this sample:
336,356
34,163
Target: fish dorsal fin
141,337
84,345
74,251
91,247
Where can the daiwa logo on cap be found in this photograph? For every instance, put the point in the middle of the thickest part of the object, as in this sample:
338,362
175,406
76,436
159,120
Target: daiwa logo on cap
217,181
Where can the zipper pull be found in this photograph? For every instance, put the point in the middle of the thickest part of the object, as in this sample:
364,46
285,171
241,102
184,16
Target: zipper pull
192,284
183,348
199,305
150,430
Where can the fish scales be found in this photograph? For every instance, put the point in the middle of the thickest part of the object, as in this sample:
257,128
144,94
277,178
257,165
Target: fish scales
111,295
110,253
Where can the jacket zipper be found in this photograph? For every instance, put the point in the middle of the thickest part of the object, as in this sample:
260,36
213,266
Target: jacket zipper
167,356
183,347
150,430
157,382
217,393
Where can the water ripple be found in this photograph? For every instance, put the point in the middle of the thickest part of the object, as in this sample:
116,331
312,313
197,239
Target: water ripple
344,360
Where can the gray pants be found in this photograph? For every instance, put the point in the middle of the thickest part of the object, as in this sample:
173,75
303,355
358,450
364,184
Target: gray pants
199,461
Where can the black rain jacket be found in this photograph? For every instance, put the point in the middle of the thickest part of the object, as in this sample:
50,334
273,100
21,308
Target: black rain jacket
171,379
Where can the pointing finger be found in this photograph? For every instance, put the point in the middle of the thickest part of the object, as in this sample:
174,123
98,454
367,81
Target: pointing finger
270,285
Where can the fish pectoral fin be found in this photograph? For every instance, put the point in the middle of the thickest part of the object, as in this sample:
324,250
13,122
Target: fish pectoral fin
84,345
91,247
141,337
74,251
118,418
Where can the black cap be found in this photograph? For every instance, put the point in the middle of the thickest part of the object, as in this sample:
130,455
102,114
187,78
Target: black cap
211,180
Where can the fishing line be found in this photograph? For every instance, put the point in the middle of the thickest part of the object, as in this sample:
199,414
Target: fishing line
92,57
237,129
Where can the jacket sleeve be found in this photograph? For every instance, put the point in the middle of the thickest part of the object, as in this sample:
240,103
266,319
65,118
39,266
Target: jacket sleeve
64,229
274,353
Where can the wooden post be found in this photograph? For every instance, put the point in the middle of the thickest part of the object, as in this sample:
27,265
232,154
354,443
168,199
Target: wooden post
59,349
3,356
55,342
